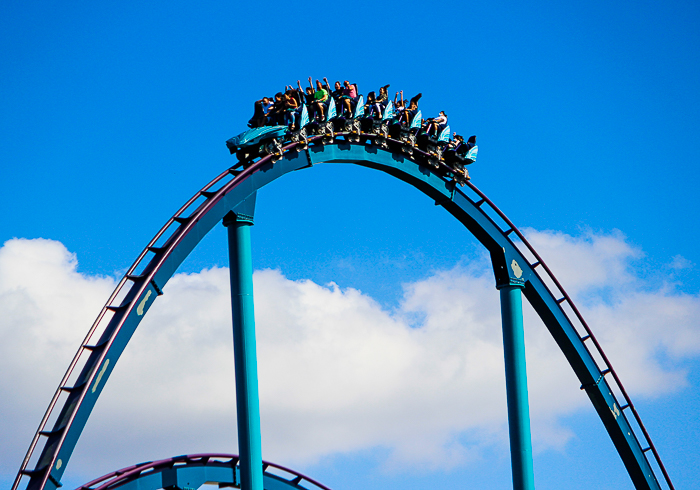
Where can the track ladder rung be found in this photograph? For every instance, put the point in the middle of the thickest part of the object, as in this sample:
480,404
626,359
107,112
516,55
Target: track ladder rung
48,433
624,406
506,233
208,194
561,300
479,203
297,480
536,264
156,250
234,172
94,347
647,449
182,220
120,307
71,389
583,339
605,371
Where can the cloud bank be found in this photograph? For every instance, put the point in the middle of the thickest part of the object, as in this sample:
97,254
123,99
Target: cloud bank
338,372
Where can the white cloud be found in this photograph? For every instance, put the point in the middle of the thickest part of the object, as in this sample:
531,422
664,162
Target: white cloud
46,308
338,373
637,322
678,262
587,263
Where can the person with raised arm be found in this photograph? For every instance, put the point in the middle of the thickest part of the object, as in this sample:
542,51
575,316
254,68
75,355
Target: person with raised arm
400,106
307,97
320,99
333,93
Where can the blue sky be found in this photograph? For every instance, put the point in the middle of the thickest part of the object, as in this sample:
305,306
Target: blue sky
587,119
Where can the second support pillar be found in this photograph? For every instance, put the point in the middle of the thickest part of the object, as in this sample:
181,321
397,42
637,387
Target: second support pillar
244,350
516,387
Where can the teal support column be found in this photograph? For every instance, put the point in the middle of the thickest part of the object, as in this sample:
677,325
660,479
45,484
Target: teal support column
516,387
244,350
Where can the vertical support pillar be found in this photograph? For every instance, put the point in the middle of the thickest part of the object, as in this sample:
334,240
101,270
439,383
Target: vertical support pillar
516,386
244,350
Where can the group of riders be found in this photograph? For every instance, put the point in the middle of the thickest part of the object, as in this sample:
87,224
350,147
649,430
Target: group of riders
286,108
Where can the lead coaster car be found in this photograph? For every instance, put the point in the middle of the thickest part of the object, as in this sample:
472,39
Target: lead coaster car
258,142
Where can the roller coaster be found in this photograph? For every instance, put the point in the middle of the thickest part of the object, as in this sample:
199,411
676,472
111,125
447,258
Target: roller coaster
265,155
388,128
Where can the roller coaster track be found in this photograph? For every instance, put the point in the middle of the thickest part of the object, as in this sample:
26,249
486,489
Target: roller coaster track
235,189
194,470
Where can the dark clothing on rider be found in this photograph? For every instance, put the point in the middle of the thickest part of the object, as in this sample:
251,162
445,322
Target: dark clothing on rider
258,119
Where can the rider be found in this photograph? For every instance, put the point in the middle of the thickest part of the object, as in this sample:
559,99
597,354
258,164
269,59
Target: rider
320,99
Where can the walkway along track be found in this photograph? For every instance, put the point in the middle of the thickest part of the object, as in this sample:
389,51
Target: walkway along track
235,189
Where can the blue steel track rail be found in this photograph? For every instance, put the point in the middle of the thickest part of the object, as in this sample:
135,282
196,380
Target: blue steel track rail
192,471
145,279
